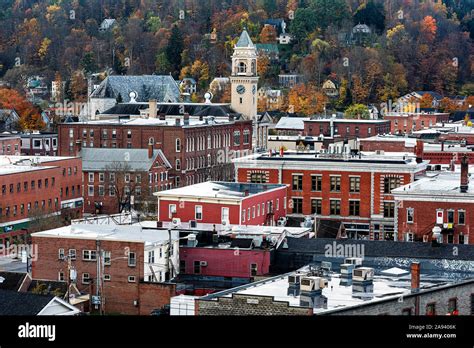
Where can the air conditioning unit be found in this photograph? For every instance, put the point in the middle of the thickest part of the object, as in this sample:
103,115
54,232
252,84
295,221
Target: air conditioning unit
224,222
312,283
192,224
347,268
356,261
363,274
294,279
282,221
203,263
176,222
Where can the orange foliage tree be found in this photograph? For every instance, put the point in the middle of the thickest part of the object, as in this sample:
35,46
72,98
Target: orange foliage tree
306,99
426,101
30,118
268,34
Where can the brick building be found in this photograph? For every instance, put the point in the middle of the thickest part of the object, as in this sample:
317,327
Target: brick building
345,128
10,145
113,176
224,202
39,144
198,145
35,186
354,189
125,254
445,200
406,123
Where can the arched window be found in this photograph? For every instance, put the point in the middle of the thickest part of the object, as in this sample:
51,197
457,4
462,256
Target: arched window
242,67
151,141
253,68
178,145
178,164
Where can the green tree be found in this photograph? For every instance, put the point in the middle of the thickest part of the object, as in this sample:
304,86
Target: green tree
88,63
174,49
329,12
357,111
162,64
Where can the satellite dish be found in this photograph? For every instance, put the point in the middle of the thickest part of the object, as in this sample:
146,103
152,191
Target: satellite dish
133,97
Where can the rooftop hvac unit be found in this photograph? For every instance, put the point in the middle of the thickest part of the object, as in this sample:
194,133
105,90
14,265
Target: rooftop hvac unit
294,279
312,283
357,261
362,274
203,263
282,221
347,268
192,224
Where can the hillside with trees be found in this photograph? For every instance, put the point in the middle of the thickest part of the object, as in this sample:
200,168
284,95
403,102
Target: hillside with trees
412,44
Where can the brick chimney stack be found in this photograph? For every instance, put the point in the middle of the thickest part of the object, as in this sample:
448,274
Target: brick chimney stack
153,107
464,174
419,149
186,119
162,116
415,276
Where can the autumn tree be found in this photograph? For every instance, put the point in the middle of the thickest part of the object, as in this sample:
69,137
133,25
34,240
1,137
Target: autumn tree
268,34
30,118
426,101
305,99
357,111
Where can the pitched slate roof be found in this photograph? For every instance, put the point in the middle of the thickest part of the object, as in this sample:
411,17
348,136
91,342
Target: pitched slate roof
162,88
173,109
99,159
11,280
245,40
20,303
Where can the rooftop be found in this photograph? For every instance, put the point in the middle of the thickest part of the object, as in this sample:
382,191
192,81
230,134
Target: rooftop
123,233
446,184
338,294
19,164
296,123
218,189
346,120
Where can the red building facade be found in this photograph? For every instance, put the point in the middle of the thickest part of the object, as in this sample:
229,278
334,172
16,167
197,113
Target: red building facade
356,191
32,187
10,145
217,202
197,150
346,128
406,123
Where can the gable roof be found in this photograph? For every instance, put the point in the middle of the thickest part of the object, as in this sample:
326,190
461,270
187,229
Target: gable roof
162,88
98,159
22,303
245,40
11,280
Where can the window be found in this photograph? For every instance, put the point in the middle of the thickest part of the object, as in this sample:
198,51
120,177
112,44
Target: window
389,209
172,210
101,190
90,190
410,215
391,184
107,278
151,256
107,257
297,182
461,239
236,138
91,177
89,255
127,178
354,208
258,178
131,279
72,254
198,212
450,216
132,261
61,254
431,309
111,190
335,207
316,183
461,217
61,276
178,164
101,177
253,269
452,305
182,266
86,278
316,206
335,183
354,184
297,205
197,267
178,145
246,136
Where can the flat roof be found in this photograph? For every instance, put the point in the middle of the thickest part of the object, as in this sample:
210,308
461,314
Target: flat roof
21,164
443,184
218,189
125,233
346,120
339,295
169,121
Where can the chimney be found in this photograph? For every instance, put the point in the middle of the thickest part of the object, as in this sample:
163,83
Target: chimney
442,145
153,108
178,122
201,118
415,277
419,149
162,116
186,119
150,150
464,174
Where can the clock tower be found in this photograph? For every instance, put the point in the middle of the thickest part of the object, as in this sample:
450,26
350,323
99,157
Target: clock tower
244,77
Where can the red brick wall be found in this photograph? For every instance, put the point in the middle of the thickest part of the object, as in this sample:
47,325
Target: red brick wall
312,128
226,262
385,145
414,122
425,218
118,292
267,198
10,145
155,296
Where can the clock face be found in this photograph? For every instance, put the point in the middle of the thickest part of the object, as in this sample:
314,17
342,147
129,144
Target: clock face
240,89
